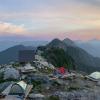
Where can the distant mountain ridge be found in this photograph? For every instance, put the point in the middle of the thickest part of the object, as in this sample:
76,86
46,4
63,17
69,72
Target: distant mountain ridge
11,54
69,42
83,59
7,44
92,47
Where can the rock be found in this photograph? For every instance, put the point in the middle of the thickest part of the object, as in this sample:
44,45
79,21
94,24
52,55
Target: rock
11,73
78,95
98,83
36,96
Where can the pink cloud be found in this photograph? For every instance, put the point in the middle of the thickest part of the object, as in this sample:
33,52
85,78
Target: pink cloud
10,29
84,34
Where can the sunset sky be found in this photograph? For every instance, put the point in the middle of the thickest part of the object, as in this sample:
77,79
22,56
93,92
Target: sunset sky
48,19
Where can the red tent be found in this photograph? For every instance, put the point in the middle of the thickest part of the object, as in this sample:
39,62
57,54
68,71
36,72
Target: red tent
61,70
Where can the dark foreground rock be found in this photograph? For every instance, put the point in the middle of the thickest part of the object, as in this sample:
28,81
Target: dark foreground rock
79,95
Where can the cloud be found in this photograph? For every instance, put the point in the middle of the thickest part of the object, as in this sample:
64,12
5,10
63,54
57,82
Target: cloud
86,34
11,29
50,18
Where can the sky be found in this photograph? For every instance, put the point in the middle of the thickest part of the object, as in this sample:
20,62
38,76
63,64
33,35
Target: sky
49,19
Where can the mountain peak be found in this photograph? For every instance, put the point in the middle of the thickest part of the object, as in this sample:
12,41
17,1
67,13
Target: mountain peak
69,42
56,43
56,40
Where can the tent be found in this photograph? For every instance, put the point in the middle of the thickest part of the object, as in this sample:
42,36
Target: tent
95,75
61,70
18,88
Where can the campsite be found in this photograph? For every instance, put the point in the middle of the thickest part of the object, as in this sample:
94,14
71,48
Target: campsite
50,75
59,83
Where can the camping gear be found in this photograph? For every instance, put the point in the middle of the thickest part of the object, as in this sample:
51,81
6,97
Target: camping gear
95,75
61,70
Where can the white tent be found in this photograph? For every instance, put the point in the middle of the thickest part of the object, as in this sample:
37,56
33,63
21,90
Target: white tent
95,75
22,84
20,88
15,88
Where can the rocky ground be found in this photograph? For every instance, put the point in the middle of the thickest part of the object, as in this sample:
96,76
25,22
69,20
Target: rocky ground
77,88
70,88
